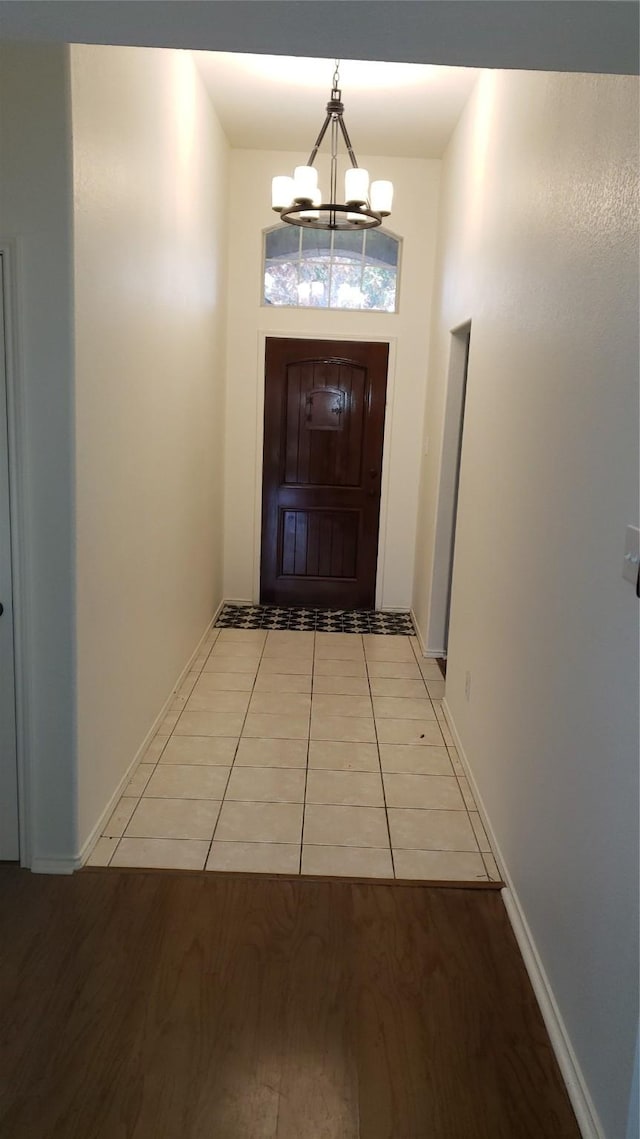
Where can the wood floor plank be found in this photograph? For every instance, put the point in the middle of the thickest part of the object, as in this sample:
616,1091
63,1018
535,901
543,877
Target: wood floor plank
216,998
167,1006
323,1087
450,1039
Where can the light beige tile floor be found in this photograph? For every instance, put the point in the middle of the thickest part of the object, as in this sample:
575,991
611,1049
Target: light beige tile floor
295,752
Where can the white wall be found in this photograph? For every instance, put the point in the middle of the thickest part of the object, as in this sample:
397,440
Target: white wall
35,199
539,249
150,174
414,218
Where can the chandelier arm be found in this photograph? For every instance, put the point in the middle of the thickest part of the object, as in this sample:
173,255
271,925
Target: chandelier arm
347,142
334,165
318,142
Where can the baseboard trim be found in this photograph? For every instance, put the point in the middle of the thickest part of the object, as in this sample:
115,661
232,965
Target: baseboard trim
88,845
55,865
575,1083
211,625
414,622
424,651
586,1114
495,846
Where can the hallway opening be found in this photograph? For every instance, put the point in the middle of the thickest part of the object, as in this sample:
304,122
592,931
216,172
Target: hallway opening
139,195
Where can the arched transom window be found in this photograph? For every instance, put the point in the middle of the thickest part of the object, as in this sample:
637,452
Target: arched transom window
348,269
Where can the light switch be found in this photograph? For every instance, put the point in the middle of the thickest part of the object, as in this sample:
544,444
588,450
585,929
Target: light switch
631,555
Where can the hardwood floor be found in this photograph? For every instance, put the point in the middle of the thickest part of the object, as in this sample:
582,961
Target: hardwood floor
137,1005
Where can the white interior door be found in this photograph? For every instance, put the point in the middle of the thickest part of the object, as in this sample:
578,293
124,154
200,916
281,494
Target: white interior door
9,841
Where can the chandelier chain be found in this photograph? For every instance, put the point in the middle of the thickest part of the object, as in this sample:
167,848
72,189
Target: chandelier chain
336,75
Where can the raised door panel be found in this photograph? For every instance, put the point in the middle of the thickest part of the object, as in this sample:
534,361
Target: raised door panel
319,543
324,424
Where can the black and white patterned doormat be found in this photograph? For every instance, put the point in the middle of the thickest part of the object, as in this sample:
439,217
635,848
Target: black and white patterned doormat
326,620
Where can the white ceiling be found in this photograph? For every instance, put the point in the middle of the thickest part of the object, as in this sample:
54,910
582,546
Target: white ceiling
270,102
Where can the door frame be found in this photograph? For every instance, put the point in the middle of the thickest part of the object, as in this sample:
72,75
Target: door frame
263,335
9,264
447,489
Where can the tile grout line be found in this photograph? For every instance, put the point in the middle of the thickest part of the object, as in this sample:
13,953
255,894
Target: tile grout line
139,797
473,831
462,795
428,697
306,771
337,845
235,753
282,842
457,777
299,802
162,750
198,673
384,793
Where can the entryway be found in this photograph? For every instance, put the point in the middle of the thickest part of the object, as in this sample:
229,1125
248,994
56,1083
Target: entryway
323,440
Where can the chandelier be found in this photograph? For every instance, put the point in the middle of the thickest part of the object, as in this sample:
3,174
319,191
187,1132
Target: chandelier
298,200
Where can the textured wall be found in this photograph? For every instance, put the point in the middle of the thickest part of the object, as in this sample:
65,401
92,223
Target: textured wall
150,171
539,249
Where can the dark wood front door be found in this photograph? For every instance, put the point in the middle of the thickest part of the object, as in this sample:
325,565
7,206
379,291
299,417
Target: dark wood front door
323,434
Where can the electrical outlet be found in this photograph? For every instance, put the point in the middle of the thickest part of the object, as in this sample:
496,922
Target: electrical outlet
467,685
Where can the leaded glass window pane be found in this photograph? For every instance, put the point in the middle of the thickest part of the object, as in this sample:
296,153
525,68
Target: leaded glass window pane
343,269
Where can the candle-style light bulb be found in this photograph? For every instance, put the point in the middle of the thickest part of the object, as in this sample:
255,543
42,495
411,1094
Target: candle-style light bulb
382,197
305,183
281,192
356,186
